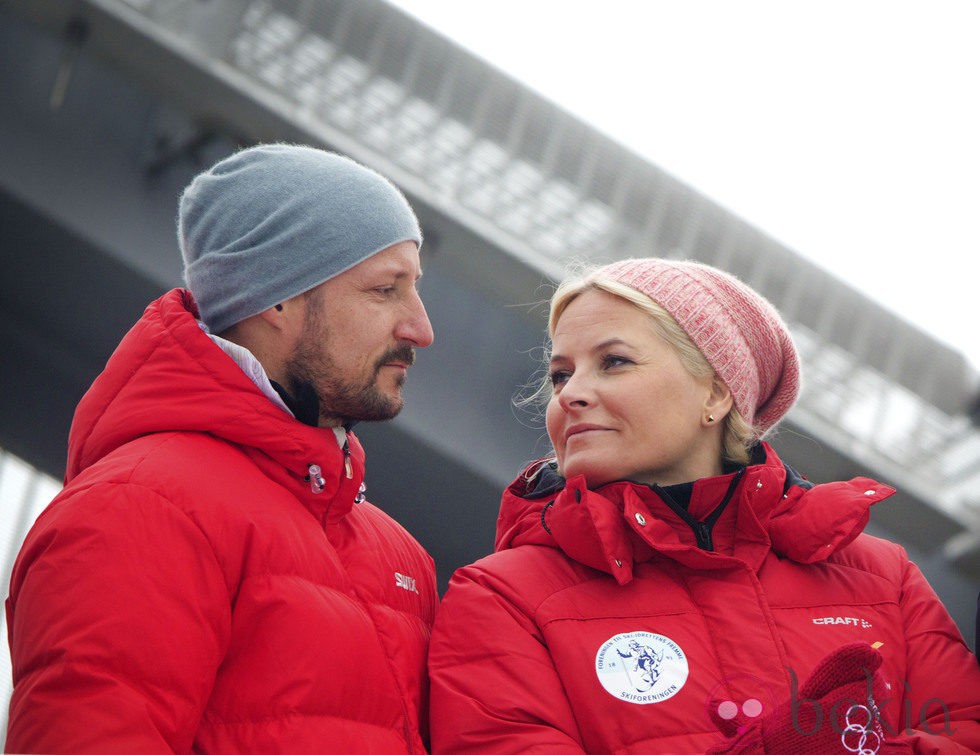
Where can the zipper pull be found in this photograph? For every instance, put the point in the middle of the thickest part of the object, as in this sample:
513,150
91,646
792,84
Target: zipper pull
315,478
348,467
703,535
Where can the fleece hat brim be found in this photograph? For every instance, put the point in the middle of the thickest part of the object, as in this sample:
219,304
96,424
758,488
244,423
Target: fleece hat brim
275,220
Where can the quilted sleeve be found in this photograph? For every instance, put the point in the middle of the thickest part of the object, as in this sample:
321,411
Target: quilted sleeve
118,617
941,709
494,689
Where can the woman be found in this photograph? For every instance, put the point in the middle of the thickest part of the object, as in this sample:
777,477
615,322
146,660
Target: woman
664,583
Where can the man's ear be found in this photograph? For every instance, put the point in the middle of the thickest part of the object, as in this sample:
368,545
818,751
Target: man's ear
272,316
280,316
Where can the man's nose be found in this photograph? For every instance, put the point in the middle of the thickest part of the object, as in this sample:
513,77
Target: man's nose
415,327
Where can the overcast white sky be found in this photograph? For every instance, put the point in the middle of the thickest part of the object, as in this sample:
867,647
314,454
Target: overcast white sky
847,129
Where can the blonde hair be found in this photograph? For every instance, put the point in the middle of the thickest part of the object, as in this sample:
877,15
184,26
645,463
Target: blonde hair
739,436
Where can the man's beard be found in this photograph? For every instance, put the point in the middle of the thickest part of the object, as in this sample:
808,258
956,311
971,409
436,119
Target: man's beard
311,369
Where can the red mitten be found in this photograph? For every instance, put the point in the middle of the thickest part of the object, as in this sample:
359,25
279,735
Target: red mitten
834,711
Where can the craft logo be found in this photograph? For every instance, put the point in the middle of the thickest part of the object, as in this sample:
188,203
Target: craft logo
850,621
641,667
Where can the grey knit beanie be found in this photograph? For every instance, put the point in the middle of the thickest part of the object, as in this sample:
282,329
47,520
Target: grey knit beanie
275,220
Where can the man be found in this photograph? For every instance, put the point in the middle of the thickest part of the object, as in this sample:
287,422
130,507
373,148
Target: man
210,578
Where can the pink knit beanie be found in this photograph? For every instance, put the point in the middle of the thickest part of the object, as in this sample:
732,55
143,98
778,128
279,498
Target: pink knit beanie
740,333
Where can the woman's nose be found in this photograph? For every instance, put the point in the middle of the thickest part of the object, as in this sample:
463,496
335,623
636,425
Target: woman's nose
576,393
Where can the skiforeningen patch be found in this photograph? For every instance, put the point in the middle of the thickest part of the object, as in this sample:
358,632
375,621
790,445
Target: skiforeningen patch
641,667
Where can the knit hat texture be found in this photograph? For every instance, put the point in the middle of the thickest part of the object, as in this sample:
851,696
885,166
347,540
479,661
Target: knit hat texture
275,220
739,332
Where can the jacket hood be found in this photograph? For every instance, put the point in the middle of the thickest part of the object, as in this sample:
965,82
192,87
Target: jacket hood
167,375
773,507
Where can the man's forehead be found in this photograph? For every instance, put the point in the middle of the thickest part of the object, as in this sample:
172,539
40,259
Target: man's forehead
399,261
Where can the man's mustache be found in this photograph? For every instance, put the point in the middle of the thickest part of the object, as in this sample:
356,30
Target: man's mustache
401,353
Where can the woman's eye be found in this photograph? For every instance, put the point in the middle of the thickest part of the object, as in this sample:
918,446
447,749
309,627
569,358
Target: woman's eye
559,376
614,360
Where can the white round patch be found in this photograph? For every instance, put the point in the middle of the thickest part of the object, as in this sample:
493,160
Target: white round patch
641,667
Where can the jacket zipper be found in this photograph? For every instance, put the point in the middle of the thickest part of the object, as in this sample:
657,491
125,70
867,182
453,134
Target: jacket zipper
701,529
702,533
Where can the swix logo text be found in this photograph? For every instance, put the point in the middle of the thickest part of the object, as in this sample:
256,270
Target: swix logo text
406,583
852,621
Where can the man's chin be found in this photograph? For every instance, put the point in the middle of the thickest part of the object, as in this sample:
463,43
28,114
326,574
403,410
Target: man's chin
386,407
395,405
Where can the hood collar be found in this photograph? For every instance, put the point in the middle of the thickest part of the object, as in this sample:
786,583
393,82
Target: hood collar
776,508
167,375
